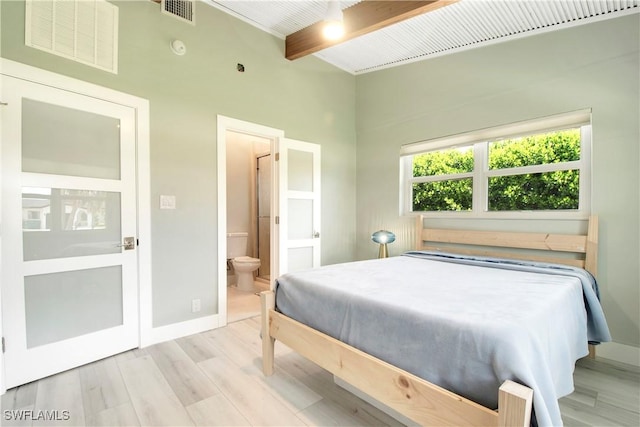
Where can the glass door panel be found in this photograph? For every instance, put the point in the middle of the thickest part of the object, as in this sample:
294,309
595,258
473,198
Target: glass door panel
300,171
264,215
69,304
300,259
300,219
60,223
264,247
264,186
65,141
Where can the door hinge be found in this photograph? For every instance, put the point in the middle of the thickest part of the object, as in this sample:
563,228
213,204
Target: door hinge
3,347
277,156
277,220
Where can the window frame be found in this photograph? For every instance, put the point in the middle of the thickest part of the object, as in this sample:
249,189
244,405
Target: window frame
479,141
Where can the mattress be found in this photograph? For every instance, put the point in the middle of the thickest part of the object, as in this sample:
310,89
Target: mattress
466,324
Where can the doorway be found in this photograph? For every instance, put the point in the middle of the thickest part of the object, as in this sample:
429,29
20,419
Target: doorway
294,202
229,132
248,222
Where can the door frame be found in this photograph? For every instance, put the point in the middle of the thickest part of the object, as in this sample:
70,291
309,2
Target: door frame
143,187
225,124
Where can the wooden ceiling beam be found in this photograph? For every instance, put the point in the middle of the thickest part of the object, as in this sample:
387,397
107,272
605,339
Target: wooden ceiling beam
359,19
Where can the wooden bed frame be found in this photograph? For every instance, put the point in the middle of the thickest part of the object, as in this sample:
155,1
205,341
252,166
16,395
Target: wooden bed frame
411,396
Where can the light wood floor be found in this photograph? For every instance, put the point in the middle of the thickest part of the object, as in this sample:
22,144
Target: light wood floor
243,304
214,378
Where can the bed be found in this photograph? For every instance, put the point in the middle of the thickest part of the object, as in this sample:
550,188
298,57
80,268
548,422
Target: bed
460,345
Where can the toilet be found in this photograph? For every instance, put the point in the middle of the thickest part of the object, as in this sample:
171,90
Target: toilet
243,265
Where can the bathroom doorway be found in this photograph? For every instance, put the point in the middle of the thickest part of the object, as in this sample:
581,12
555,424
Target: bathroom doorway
248,205
230,307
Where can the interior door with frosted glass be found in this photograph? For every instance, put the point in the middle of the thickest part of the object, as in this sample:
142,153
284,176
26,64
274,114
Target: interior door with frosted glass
299,205
69,267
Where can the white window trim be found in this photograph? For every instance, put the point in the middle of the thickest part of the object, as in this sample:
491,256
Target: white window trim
481,172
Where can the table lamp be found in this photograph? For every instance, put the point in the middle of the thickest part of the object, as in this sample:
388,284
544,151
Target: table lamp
383,237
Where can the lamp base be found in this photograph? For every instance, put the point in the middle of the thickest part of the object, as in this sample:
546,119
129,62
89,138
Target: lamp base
383,252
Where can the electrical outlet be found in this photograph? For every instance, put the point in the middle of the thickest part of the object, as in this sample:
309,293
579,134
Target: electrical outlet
195,305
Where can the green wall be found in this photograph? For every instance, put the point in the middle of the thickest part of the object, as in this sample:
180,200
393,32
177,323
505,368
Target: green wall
308,99
589,66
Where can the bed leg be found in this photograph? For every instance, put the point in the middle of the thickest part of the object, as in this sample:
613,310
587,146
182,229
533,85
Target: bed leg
514,405
592,351
267,302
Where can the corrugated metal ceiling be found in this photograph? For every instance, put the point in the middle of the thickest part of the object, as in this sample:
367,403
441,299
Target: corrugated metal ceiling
462,25
279,17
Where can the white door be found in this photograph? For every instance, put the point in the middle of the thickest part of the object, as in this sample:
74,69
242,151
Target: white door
299,205
69,264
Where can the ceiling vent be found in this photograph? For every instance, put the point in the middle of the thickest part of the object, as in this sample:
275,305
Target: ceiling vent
80,30
184,10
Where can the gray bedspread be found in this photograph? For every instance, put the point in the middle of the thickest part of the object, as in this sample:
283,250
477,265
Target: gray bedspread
466,324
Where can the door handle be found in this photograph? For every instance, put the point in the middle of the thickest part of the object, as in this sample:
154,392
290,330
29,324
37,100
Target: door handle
316,235
128,243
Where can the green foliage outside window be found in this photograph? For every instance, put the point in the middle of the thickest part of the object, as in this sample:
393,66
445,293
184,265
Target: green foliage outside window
552,147
535,191
445,162
449,195
443,195
540,191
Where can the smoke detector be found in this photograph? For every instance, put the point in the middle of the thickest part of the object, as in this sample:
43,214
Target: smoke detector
178,47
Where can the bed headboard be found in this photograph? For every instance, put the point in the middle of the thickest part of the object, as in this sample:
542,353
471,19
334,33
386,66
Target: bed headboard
544,247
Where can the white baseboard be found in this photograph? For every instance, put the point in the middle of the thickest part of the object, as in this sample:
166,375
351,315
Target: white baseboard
181,329
619,353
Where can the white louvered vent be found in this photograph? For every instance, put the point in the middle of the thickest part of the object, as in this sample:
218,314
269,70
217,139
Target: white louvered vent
85,31
184,10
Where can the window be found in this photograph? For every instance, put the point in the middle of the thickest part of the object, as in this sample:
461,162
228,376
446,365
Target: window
528,169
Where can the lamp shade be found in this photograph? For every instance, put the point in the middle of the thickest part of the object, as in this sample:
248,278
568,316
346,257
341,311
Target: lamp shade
383,236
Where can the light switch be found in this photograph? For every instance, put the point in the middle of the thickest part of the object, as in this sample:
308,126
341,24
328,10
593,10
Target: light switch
167,202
